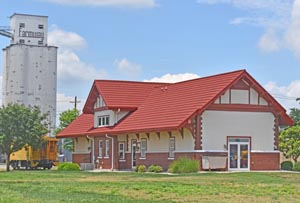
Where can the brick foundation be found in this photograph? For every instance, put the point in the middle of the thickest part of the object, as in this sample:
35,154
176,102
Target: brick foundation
81,158
264,161
258,161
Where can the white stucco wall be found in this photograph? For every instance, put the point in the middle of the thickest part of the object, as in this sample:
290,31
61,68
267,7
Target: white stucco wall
161,144
82,145
225,98
253,97
217,125
239,97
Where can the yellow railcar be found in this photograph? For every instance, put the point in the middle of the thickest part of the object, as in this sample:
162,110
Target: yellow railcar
44,157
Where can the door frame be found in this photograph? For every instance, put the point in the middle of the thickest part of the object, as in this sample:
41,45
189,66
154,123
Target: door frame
239,141
133,152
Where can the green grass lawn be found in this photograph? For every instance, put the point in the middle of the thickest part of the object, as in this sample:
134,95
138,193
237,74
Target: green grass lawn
56,186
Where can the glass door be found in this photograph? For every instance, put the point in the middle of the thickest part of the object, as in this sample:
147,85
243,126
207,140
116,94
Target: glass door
238,154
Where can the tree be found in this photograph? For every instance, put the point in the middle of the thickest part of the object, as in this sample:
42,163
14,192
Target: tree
289,142
65,118
20,126
295,115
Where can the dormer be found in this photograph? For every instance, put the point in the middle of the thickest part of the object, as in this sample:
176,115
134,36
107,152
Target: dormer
99,102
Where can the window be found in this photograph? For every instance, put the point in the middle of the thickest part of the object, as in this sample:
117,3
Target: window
41,26
40,42
100,148
103,121
22,24
22,41
121,150
171,147
143,148
106,148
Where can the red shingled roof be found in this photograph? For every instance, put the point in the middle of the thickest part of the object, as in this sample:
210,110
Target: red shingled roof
160,106
119,94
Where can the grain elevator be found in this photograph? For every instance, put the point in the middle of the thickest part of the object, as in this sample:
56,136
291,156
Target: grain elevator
30,65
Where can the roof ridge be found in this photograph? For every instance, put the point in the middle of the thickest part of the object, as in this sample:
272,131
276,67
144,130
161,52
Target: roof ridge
131,81
210,76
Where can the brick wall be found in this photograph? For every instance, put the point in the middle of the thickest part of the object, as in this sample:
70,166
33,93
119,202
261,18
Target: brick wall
264,161
81,158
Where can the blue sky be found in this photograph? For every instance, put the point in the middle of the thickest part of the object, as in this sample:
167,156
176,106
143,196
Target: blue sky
170,40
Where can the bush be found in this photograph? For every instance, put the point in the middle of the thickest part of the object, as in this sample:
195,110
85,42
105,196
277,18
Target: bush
287,165
140,169
67,166
296,166
155,168
184,165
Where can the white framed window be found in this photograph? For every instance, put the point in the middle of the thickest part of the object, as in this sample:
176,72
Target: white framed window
121,150
22,41
40,42
143,148
106,148
171,147
40,26
103,121
100,148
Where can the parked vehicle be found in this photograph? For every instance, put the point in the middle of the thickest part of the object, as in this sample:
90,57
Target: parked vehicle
44,157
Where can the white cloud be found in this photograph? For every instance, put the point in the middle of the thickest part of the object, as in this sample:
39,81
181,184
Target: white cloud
286,95
292,35
127,3
269,41
172,78
128,68
65,39
71,68
280,20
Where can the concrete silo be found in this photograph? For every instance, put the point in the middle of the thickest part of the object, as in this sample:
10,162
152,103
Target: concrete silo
30,65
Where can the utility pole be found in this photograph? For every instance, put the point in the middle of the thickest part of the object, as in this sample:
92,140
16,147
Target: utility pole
75,102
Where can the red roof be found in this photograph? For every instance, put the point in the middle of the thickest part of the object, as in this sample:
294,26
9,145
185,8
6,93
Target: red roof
119,94
161,106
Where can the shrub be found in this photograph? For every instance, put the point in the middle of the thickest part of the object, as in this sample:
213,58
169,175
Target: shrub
67,166
296,166
287,165
155,168
140,169
184,165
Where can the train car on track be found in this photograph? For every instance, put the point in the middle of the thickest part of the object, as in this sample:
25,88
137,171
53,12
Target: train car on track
45,157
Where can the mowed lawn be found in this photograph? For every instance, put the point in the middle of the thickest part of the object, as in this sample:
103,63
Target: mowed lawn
55,186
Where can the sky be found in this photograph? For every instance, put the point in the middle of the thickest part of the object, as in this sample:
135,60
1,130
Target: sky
164,40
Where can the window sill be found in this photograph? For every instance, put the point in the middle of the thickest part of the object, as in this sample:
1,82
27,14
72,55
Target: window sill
170,158
99,157
106,157
142,158
122,160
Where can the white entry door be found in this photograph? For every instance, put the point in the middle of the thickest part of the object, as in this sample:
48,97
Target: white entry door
238,154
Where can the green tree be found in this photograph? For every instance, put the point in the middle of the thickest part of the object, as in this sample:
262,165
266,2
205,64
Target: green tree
295,115
20,126
65,118
289,142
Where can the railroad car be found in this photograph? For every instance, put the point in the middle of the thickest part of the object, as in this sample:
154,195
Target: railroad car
45,157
